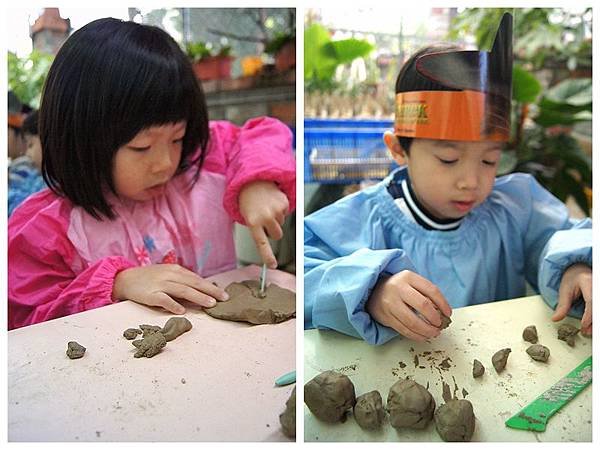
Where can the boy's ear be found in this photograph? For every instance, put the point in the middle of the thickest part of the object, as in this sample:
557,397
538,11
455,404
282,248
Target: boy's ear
393,145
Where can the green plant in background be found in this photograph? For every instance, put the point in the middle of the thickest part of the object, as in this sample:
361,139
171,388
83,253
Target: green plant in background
278,41
199,50
26,76
544,113
322,56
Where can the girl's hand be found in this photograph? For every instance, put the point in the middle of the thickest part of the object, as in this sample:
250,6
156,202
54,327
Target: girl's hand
396,300
264,207
576,282
161,284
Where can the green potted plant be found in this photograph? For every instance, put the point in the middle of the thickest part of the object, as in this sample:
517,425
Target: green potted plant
283,49
210,65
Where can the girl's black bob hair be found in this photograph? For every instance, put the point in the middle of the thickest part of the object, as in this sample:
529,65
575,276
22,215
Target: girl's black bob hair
409,80
110,80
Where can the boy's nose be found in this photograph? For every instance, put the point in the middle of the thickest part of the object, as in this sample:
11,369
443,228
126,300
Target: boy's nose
468,181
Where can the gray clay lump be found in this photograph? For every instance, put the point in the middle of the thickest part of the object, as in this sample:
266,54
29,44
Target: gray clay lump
455,421
131,333
499,359
478,368
538,352
567,333
329,395
530,334
288,417
75,350
368,411
410,405
175,327
150,345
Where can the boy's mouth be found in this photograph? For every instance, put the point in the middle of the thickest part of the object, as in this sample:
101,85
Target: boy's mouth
463,206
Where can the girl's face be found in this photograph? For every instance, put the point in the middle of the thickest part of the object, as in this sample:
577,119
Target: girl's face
143,166
450,178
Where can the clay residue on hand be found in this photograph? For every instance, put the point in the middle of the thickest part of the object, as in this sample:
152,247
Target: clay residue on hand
530,334
245,305
410,405
150,345
288,417
538,352
567,333
499,359
75,350
329,395
368,411
131,333
478,368
175,327
455,421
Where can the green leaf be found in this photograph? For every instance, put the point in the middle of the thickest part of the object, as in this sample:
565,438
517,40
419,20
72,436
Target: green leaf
574,92
526,87
548,117
347,50
315,37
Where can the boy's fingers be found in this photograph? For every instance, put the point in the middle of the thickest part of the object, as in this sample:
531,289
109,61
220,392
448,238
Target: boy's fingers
263,246
564,303
397,325
586,319
431,291
411,321
424,306
587,331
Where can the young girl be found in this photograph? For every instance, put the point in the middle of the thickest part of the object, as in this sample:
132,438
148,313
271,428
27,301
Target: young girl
442,231
143,189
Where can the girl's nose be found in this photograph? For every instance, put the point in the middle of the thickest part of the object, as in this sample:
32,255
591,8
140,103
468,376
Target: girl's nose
162,160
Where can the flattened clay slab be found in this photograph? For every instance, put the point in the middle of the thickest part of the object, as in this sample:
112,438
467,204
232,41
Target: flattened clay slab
478,368
288,417
538,352
410,405
75,350
329,395
499,359
244,304
455,421
530,334
368,411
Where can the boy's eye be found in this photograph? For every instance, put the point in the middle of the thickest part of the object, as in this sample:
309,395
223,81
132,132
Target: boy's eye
490,163
447,161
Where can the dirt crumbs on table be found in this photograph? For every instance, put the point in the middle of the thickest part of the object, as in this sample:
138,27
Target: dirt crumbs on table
75,350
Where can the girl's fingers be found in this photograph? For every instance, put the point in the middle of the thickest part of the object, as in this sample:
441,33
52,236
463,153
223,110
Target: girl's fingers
432,292
274,230
166,302
183,276
410,320
185,292
263,246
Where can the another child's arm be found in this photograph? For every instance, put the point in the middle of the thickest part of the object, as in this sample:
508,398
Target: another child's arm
347,265
259,166
576,283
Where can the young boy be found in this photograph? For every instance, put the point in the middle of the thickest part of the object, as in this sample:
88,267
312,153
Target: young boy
442,231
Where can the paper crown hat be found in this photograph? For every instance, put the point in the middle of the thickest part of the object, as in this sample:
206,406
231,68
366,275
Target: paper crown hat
476,106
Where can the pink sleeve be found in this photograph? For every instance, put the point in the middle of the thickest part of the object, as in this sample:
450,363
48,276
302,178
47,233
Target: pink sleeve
41,282
259,150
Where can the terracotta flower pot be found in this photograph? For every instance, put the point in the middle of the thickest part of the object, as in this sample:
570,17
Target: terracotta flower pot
285,58
213,68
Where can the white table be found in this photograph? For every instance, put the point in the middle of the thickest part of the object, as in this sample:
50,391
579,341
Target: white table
213,383
476,332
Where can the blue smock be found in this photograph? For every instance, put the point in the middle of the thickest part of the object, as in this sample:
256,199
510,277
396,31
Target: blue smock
520,233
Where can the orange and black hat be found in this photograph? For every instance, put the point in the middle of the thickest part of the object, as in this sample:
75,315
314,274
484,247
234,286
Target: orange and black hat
476,106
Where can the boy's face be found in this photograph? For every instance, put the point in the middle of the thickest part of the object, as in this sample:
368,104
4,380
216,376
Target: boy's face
450,178
143,166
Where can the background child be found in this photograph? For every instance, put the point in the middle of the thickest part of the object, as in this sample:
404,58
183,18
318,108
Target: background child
441,231
129,213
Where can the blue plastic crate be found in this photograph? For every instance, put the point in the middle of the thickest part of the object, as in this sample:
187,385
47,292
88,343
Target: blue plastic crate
348,123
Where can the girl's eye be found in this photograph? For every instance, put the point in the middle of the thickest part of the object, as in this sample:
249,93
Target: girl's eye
447,161
177,141
139,149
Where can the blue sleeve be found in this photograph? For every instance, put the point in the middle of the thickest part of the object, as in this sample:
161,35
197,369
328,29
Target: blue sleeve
344,256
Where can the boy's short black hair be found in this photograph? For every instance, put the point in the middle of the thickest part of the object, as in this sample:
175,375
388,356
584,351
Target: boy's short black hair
409,80
110,80
30,124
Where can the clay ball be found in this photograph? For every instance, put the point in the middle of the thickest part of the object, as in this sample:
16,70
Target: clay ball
478,368
368,411
455,421
538,352
329,395
530,334
410,405
567,333
499,359
75,350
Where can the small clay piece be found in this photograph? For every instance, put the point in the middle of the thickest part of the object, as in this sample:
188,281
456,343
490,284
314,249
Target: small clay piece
530,334
131,333
150,345
74,350
329,395
245,305
455,421
175,327
288,417
499,359
567,333
538,352
368,411
446,321
446,394
410,405
478,368
147,330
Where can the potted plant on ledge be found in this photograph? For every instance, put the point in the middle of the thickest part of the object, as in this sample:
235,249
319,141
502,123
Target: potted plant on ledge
209,66
283,48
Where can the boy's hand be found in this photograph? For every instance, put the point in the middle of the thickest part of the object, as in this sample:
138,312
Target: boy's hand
394,301
576,282
161,284
264,207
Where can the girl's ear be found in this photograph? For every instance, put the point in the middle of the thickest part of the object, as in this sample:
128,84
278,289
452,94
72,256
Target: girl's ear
393,145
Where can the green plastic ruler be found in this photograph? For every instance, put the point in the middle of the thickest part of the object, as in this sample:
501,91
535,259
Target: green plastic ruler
535,416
